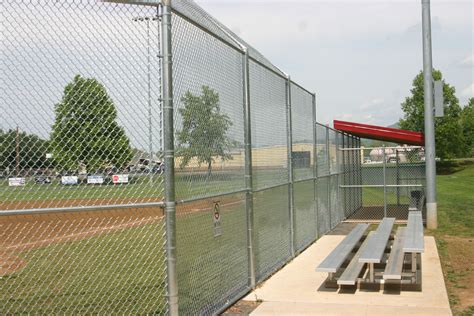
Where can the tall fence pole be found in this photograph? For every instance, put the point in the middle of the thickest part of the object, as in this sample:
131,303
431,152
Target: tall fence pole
328,157
430,149
315,168
248,172
168,126
290,167
384,182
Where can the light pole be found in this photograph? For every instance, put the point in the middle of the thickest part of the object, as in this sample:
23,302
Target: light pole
430,150
150,131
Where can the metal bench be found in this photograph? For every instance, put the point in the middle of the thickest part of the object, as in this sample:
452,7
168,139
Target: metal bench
394,267
414,242
376,245
352,271
336,258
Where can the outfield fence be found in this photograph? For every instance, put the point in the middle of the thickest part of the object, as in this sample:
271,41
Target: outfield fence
152,162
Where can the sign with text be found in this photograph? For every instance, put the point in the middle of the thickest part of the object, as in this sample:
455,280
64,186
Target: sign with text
217,219
69,180
120,178
95,179
16,182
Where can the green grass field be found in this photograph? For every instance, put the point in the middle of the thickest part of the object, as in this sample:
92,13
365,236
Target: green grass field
122,271
454,236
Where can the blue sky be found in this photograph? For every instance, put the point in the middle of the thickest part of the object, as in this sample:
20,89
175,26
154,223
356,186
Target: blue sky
360,57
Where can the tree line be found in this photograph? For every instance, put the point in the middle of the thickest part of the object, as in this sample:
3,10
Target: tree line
454,132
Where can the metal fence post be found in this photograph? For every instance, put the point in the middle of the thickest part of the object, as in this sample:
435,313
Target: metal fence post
168,126
289,132
248,172
328,157
315,168
384,182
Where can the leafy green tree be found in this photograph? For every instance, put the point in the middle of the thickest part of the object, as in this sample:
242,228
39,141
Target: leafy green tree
449,136
85,130
31,151
467,123
204,129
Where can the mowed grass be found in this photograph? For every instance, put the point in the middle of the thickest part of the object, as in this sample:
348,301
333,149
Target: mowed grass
455,235
456,202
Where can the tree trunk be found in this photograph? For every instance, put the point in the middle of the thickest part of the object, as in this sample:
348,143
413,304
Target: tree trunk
209,168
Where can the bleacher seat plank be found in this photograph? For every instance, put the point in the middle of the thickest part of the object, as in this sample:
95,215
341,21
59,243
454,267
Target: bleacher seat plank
377,242
393,270
337,257
414,242
352,271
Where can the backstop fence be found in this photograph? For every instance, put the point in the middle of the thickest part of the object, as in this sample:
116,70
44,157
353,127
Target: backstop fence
152,162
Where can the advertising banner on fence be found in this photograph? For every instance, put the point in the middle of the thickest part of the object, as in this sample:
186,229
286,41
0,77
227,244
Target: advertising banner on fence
120,178
95,179
16,182
69,180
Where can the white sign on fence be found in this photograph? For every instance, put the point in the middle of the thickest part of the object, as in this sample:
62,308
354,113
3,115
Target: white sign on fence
69,179
16,182
120,178
95,179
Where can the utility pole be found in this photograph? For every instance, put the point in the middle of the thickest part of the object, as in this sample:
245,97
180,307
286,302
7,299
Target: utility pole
430,150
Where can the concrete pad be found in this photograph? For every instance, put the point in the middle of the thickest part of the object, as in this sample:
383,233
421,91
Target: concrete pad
298,290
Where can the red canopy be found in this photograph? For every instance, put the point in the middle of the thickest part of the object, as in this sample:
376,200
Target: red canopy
388,134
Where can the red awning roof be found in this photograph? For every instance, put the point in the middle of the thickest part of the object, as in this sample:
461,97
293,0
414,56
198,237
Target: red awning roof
388,134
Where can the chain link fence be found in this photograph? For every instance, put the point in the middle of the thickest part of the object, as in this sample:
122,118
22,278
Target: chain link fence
143,152
81,186
391,180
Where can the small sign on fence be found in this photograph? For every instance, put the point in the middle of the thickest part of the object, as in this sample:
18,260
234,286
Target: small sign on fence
95,179
120,178
16,182
69,180
217,219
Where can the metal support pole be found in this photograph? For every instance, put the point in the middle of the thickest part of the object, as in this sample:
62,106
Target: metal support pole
170,199
338,192
150,136
289,132
384,183
248,172
397,157
328,156
315,168
430,149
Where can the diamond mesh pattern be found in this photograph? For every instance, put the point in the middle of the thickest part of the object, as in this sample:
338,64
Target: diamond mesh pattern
83,263
81,104
211,269
208,100
269,127
80,126
272,229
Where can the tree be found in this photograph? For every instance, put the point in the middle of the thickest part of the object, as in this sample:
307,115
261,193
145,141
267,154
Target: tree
449,137
467,123
204,128
85,129
31,151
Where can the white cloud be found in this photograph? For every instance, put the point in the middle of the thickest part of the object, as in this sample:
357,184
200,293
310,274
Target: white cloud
468,91
468,61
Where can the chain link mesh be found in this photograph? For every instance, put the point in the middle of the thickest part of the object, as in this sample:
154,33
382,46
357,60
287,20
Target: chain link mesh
208,98
81,93
389,179
81,127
